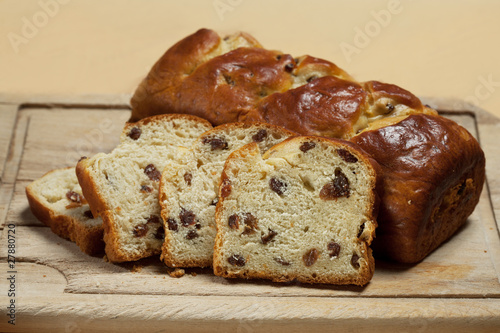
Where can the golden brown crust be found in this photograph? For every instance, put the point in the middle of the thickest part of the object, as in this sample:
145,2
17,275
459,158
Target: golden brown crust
226,88
307,95
378,90
157,92
326,106
89,240
310,67
154,94
433,174
234,86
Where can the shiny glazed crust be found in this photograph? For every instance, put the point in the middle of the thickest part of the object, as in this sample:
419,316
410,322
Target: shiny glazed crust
235,79
433,172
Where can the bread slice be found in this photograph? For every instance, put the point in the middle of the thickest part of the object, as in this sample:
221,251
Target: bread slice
122,186
56,199
189,189
305,210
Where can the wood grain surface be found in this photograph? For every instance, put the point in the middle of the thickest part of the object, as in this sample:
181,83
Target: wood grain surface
455,289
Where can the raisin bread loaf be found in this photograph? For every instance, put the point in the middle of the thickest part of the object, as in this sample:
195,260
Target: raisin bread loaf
189,188
205,76
304,210
433,172
122,186
56,200
233,79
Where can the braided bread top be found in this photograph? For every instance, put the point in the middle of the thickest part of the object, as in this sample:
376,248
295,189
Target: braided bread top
234,78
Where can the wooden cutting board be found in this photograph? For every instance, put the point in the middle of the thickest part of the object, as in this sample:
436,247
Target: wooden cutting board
58,288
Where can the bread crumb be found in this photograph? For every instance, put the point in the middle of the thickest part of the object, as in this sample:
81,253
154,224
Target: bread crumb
177,273
46,275
136,269
193,274
105,258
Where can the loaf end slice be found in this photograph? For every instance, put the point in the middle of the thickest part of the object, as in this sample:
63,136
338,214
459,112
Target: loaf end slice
56,200
122,186
189,190
303,211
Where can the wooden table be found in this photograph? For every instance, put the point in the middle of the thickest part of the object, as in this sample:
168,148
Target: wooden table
58,288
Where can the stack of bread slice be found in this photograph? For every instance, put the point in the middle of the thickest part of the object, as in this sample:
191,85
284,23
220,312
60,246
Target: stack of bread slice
174,185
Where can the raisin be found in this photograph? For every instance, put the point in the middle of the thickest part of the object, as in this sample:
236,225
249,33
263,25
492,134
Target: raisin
313,77
346,156
355,261
192,234
260,135
172,224
225,189
188,177
277,185
141,230
361,229
236,260
250,224
462,187
334,249
146,189
216,143
229,80
338,187
289,67
280,260
214,202
160,233
197,226
88,214
269,237
77,200
233,221
135,133
153,219
304,147
187,217
310,257
152,173
74,197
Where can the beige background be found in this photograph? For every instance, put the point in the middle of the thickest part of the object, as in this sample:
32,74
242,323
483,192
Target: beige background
75,48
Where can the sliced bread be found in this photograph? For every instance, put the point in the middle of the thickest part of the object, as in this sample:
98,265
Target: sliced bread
305,210
122,186
189,190
56,200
